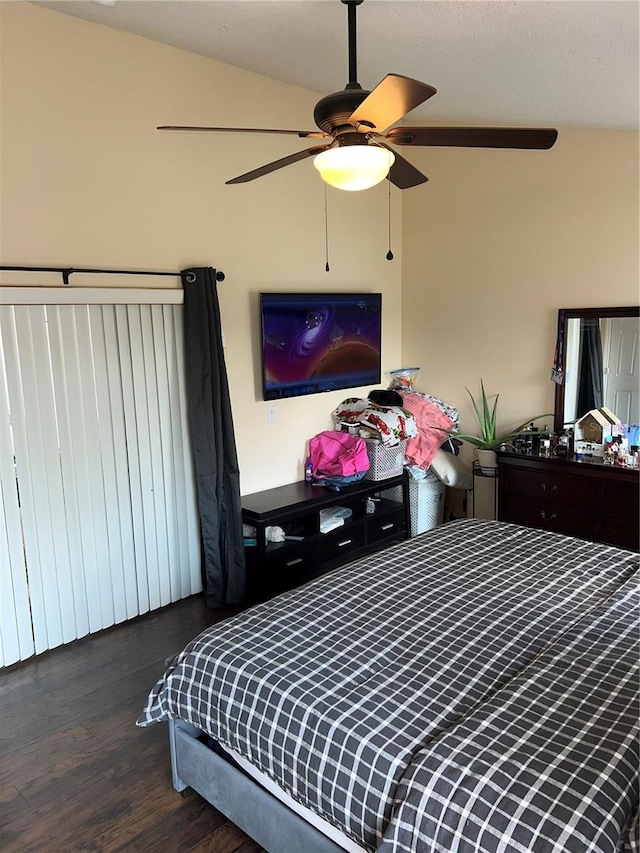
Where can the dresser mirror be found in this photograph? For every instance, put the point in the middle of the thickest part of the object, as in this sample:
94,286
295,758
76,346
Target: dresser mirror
597,358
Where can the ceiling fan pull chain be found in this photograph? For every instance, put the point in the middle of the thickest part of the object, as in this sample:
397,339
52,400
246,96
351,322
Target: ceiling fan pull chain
389,253
326,231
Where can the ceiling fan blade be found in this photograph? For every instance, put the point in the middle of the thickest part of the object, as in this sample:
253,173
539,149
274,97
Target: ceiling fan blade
303,134
277,164
404,174
391,99
474,137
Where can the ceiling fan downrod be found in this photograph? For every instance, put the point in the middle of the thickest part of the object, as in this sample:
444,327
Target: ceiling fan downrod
353,54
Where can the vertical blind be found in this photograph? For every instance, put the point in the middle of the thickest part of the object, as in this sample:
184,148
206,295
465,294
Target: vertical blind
99,516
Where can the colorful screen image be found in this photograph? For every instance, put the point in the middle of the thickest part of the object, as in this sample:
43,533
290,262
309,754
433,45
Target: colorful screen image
319,342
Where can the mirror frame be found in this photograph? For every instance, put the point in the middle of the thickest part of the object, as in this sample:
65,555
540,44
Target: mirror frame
564,315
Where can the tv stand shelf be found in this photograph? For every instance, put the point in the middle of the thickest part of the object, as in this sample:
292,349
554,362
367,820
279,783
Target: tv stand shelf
379,516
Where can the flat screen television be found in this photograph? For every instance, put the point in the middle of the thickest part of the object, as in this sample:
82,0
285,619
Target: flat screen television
314,342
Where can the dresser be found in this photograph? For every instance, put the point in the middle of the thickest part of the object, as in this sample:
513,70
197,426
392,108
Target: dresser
585,499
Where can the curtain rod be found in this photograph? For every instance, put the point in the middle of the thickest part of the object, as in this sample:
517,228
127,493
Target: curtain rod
66,272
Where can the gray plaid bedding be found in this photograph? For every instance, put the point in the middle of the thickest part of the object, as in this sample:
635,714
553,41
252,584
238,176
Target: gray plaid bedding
414,699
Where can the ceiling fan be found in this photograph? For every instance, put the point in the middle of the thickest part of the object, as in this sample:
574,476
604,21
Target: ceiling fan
355,125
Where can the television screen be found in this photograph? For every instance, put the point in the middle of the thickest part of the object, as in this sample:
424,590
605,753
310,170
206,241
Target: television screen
319,342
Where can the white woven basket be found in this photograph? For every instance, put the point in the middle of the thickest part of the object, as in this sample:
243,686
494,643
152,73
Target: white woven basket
384,461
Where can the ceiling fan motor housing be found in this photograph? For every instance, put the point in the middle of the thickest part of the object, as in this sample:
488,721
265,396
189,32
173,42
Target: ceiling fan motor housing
333,111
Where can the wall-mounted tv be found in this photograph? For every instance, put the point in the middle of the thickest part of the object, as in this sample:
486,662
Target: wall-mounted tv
314,342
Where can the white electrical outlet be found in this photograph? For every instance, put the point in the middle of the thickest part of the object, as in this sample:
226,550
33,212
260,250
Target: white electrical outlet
271,415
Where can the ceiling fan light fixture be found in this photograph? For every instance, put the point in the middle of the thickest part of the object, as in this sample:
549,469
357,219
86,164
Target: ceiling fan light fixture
354,167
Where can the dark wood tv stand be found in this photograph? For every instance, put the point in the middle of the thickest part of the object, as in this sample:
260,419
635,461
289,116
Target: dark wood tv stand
590,500
379,516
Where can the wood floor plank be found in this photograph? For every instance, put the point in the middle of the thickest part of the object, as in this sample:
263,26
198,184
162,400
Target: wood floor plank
12,804
227,839
40,757
16,686
58,825
186,825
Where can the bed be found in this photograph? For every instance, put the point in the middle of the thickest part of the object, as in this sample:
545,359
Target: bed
474,688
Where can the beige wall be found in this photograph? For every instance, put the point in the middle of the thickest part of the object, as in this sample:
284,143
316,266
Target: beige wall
486,252
495,243
88,181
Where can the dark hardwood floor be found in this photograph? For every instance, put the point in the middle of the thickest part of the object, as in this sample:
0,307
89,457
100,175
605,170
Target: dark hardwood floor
76,774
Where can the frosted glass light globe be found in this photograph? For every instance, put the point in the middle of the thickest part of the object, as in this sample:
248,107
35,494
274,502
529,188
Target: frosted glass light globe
354,167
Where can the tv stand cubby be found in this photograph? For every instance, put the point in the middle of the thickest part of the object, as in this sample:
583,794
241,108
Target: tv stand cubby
379,516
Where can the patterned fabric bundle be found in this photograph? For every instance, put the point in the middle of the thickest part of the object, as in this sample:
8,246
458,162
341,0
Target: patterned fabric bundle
391,424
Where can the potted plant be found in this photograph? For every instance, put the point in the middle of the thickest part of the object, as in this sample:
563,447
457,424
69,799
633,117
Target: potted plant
487,441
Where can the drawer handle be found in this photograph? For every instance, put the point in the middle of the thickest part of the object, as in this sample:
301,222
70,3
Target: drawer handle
552,488
346,542
387,526
551,515
295,562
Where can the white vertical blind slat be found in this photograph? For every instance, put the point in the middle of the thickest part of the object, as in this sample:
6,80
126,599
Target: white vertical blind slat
123,325
57,575
139,423
165,418
158,504
118,497
185,504
31,442
94,473
192,528
15,398
77,453
64,368
16,635
105,484
11,613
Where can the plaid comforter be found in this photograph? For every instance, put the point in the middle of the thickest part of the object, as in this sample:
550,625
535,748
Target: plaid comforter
468,690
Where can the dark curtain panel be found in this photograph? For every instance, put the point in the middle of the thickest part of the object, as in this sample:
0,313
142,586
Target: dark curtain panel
590,375
213,440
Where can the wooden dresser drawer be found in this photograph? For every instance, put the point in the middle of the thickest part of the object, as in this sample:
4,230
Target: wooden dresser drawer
552,486
563,518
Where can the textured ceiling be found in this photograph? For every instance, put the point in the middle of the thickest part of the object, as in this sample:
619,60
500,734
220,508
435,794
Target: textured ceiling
529,62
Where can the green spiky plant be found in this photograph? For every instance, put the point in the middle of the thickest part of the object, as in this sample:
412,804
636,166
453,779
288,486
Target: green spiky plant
488,439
